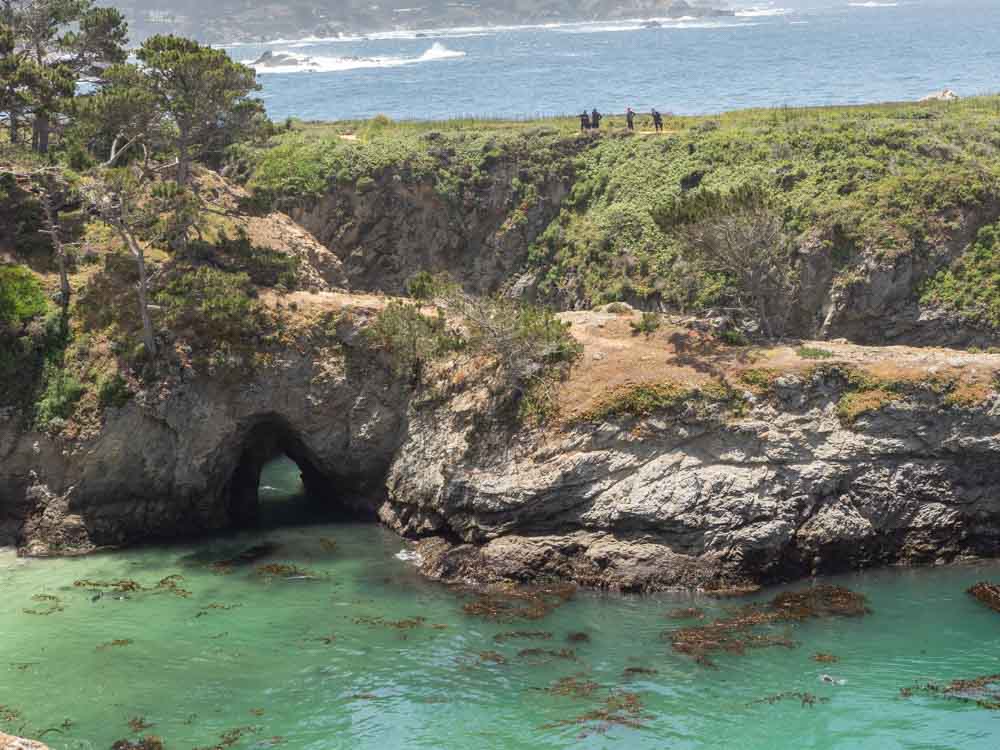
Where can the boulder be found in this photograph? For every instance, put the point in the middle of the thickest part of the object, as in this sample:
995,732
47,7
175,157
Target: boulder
944,95
8,742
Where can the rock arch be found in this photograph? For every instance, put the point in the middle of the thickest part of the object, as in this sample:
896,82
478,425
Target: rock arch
270,437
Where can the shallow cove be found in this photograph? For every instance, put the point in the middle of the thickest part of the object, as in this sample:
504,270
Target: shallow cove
338,658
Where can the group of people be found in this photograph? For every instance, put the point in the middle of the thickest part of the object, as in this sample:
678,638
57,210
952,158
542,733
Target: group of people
592,121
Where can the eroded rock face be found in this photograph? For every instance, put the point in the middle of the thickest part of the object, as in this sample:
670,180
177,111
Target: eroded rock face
387,233
782,489
168,464
784,492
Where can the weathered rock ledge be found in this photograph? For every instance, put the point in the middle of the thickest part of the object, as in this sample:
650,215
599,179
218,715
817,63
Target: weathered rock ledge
699,496
8,742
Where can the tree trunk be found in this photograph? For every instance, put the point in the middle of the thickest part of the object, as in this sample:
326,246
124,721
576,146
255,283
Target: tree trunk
43,126
15,132
140,260
52,225
183,161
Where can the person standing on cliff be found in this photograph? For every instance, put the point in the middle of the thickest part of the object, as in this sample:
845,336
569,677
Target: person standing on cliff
595,119
585,122
630,118
658,121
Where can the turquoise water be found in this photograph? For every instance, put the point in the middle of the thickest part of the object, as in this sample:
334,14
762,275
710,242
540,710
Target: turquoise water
323,662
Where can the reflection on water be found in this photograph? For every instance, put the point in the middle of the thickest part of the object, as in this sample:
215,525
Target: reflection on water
322,637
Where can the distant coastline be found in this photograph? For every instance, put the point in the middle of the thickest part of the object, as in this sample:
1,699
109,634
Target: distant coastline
354,20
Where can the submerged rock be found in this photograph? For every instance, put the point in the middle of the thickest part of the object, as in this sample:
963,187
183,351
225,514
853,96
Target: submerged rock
988,594
9,742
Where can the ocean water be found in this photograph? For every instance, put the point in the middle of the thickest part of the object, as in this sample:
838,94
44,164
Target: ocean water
789,52
341,658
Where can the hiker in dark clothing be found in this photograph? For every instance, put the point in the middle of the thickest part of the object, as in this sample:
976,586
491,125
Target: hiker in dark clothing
584,121
658,121
630,118
595,119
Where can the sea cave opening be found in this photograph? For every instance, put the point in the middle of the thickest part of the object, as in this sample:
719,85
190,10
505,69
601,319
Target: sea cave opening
279,482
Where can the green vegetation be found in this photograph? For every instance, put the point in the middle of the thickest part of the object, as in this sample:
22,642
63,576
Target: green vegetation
521,350
21,296
971,287
308,161
213,305
845,187
648,324
668,398
814,352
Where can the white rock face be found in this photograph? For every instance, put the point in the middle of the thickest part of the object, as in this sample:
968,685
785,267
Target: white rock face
7,742
945,95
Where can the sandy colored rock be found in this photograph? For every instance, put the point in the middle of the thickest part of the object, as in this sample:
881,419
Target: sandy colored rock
8,742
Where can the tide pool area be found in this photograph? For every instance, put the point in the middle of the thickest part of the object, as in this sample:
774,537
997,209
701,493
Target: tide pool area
324,636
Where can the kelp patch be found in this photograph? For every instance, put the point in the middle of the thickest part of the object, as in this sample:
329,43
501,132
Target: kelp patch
738,632
123,587
509,603
808,700
983,692
619,709
47,605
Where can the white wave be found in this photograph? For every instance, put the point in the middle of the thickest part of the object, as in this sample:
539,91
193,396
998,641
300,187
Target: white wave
458,32
306,64
763,12
873,4
409,557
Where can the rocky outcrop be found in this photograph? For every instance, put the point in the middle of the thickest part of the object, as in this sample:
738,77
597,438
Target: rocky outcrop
179,458
785,491
7,742
387,230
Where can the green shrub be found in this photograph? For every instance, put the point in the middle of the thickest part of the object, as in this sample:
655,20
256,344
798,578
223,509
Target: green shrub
412,339
62,391
813,352
112,391
21,296
971,287
648,324
213,304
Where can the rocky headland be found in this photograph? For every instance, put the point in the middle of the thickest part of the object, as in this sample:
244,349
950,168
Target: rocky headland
669,451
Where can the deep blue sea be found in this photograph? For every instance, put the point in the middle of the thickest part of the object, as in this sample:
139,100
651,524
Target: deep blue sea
789,52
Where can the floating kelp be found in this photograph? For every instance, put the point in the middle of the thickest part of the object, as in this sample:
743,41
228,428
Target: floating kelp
988,594
618,709
328,544
572,687
518,635
49,605
980,691
214,606
808,700
687,613
123,586
730,635
247,557
736,634
9,714
257,711
23,666
143,743
139,724
231,737
632,672
732,592
578,638
328,640
826,658
119,643
492,656
820,601
283,570
545,655
381,622
168,585
508,603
